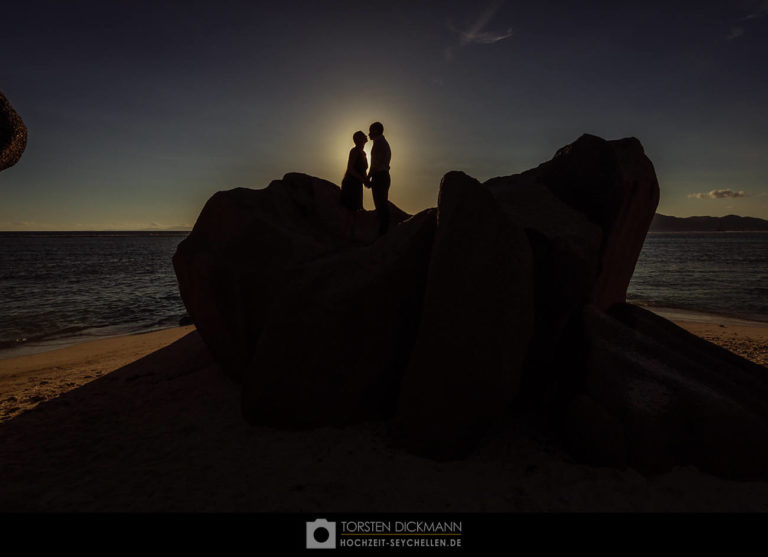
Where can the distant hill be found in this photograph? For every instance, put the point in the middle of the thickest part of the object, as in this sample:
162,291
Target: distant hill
729,223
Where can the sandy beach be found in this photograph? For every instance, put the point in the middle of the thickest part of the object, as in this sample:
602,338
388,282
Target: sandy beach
148,423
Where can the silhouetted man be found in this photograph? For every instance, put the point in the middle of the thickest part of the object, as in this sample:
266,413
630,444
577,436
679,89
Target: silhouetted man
379,174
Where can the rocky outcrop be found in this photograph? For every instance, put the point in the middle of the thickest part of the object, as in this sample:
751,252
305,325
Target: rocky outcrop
675,398
565,247
586,213
475,328
509,296
244,248
13,134
611,184
338,335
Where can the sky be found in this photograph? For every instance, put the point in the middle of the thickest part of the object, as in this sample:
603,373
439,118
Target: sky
138,111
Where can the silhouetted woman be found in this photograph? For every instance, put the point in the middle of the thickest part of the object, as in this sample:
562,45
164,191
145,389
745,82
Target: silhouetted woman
354,178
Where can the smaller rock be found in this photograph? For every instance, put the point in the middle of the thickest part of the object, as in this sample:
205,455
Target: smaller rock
13,134
680,400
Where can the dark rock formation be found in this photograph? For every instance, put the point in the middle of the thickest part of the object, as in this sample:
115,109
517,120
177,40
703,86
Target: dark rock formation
566,255
339,333
565,243
679,399
586,213
13,134
610,183
511,294
475,327
243,249
638,193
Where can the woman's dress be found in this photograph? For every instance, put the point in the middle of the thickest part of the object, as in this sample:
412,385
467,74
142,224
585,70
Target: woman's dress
351,187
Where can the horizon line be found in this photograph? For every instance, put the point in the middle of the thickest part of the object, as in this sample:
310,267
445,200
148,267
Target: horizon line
177,229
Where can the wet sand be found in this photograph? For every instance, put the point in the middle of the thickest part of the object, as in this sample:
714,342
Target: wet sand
748,339
148,423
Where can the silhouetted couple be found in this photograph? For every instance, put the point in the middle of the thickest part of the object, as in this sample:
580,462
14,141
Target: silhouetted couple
377,178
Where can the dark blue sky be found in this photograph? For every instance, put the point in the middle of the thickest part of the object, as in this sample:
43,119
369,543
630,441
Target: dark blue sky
139,111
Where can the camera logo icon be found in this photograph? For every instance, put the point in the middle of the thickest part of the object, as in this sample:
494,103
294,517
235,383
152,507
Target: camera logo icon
321,534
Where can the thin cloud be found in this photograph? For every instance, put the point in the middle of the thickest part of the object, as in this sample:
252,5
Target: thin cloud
476,34
485,37
760,10
735,33
717,194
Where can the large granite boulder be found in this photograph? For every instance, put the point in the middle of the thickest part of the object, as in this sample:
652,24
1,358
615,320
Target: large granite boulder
566,258
13,134
475,327
610,183
510,294
586,213
614,184
243,249
565,242
339,333
679,399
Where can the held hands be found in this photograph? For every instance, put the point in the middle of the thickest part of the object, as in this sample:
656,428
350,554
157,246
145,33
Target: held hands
367,181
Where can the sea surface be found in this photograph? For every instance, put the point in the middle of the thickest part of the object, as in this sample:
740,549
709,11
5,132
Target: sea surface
61,288
724,273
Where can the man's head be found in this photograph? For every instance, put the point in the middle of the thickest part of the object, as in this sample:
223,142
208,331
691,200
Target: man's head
375,130
359,138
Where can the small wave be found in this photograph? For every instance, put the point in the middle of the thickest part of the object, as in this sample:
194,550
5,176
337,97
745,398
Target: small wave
54,335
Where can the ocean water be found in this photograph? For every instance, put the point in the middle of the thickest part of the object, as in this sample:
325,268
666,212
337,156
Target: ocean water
722,273
60,288
57,289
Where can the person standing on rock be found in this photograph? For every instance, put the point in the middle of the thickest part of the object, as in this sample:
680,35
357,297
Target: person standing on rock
379,174
351,197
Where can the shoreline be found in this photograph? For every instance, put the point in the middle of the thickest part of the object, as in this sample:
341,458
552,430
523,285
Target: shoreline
44,346
695,316
28,379
676,315
148,423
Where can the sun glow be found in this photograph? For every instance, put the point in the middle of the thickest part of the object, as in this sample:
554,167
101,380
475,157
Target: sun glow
399,129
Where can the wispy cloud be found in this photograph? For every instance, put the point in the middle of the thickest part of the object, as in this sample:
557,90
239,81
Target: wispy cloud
758,10
485,37
735,33
477,32
717,194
